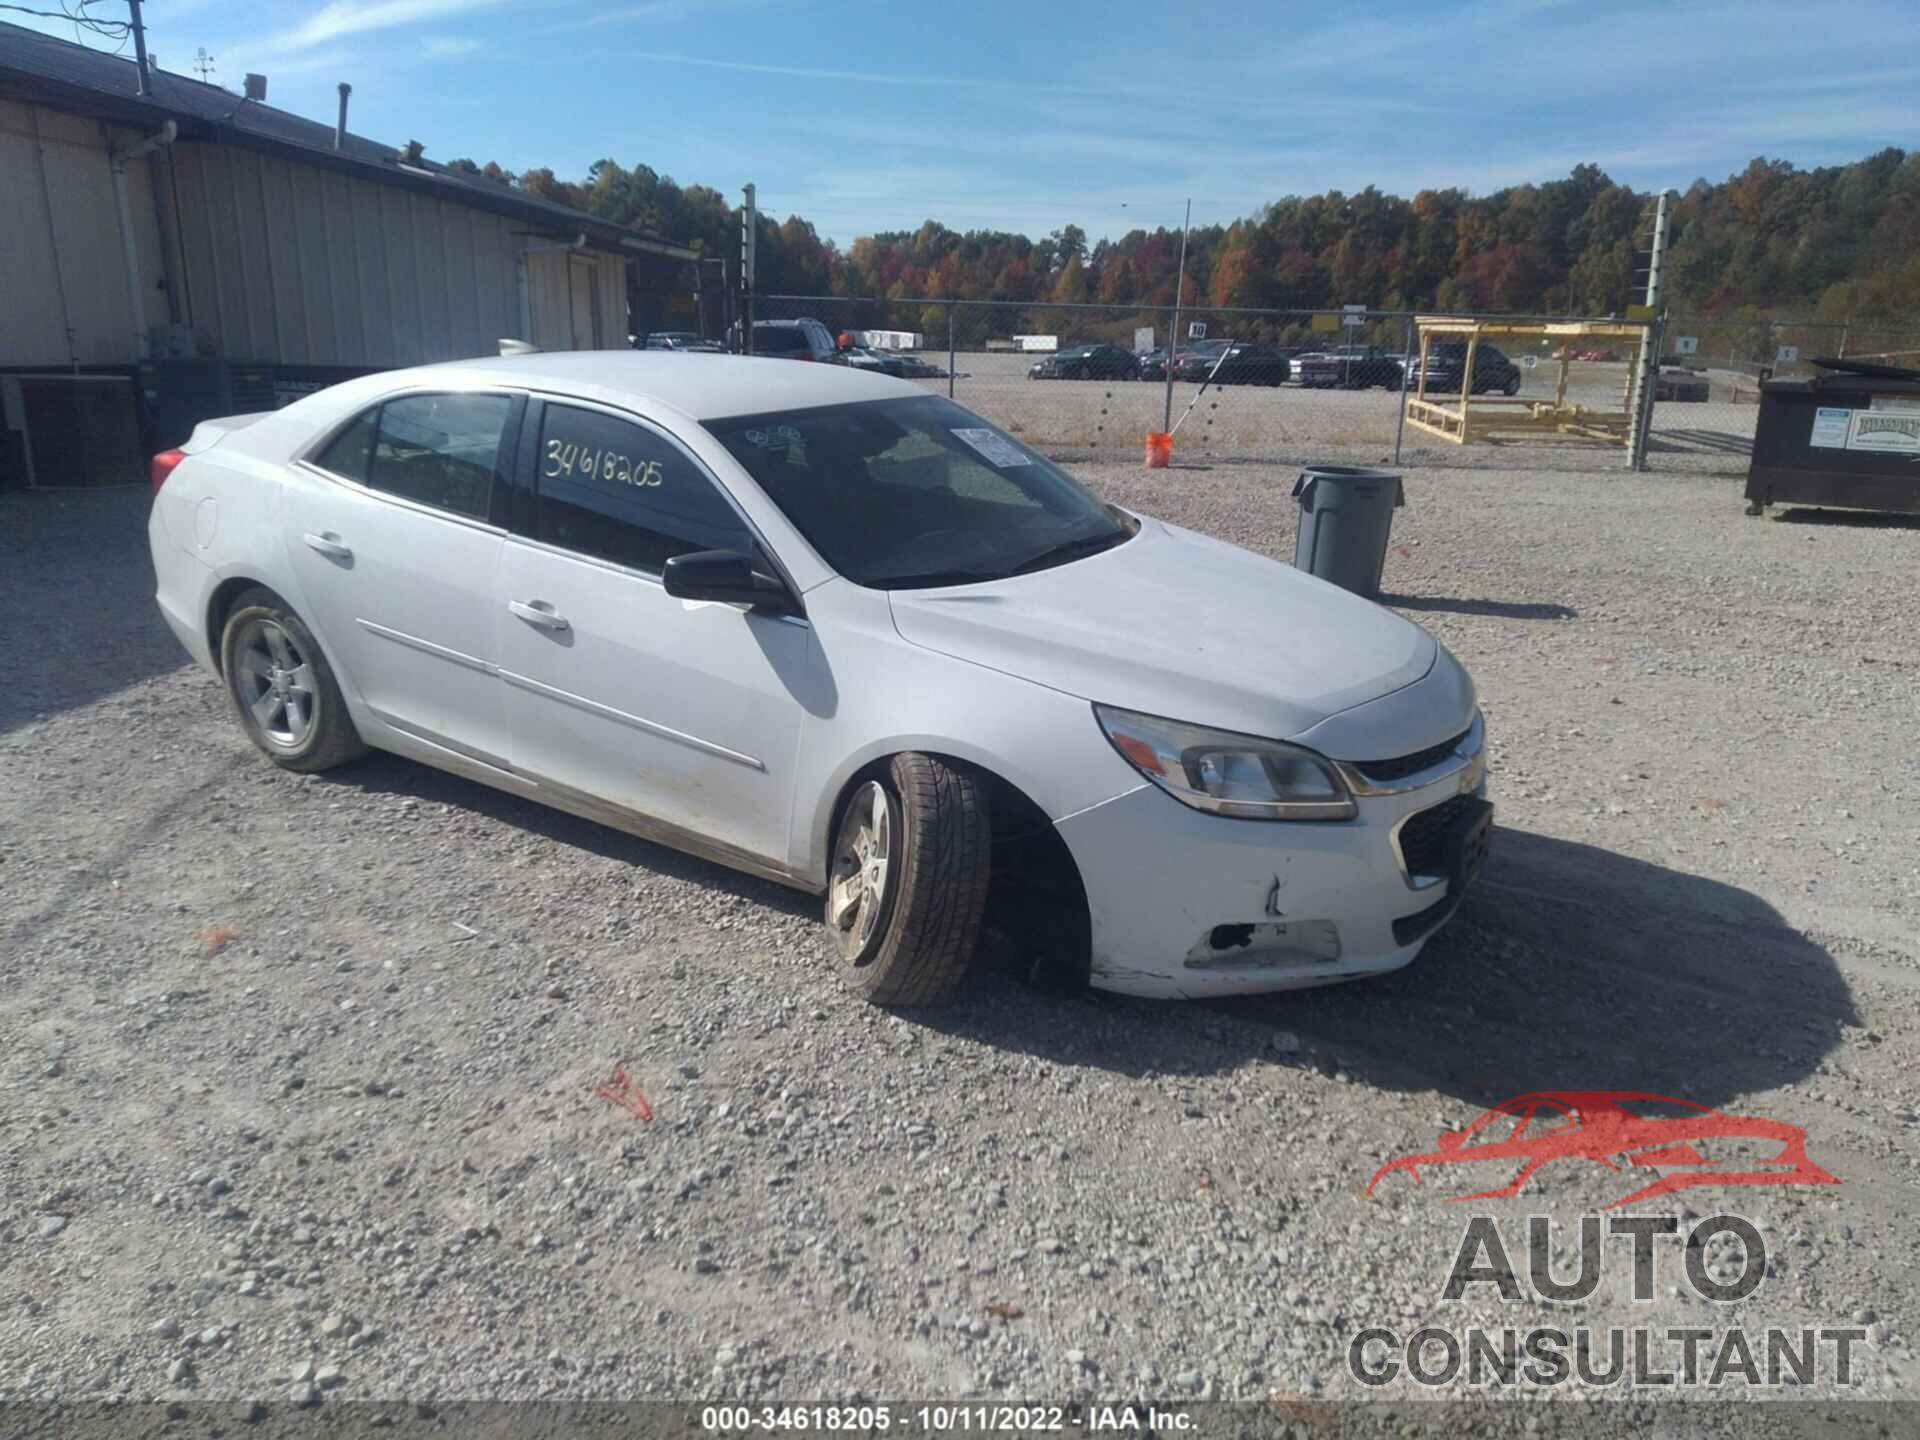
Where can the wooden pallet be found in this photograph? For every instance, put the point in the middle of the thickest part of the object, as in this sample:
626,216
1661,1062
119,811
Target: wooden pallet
1485,419
1464,419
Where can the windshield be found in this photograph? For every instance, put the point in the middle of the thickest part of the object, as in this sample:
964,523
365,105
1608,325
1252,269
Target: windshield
899,494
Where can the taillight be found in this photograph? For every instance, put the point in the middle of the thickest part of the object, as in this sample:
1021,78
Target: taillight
162,465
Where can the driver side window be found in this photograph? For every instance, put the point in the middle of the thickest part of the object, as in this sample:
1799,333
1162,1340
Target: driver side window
614,490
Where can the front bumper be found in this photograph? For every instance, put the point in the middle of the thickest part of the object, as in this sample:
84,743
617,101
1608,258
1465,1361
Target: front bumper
1164,881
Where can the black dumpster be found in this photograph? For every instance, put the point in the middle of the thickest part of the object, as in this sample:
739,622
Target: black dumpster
1847,438
1346,514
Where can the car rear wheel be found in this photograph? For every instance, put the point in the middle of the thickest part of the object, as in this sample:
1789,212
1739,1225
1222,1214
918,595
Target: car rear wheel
282,688
1512,387
908,881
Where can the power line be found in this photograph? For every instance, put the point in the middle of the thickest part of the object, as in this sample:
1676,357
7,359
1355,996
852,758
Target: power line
111,29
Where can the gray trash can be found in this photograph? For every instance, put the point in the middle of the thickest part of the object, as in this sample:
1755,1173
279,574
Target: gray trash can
1346,514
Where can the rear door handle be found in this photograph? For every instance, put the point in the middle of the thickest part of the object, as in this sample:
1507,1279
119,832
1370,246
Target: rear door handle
538,613
329,544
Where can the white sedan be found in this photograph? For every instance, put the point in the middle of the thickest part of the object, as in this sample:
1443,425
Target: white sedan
837,631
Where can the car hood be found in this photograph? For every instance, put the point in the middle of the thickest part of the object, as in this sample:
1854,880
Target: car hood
1176,624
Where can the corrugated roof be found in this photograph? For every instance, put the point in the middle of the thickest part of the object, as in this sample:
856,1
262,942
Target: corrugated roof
44,68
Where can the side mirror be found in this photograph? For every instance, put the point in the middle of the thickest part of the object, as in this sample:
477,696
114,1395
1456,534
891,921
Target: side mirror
731,577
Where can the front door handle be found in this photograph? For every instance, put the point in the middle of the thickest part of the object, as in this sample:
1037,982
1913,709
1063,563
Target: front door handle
328,544
538,613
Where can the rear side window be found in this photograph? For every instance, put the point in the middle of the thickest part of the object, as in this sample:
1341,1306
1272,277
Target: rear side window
781,341
616,491
440,450
352,448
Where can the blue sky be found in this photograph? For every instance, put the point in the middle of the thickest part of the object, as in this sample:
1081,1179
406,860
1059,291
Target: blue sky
865,116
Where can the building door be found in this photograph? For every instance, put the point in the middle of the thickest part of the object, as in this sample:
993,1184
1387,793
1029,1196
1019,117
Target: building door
583,289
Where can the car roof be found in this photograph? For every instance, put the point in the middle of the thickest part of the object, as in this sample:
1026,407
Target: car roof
701,387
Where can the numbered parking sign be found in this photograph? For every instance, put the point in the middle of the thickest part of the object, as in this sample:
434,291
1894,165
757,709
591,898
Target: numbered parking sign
1786,355
1197,330
1686,344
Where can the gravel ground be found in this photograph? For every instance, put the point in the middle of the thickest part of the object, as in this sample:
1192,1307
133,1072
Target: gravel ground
1290,423
299,1073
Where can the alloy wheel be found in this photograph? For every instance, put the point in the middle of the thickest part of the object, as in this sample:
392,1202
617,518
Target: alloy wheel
862,861
275,683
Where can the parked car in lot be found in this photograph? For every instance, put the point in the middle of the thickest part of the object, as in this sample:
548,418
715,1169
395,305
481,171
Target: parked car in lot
681,340
912,367
1680,382
876,362
1086,362
1348,367
1446,370
793,340
1237,364
833,630
1153,364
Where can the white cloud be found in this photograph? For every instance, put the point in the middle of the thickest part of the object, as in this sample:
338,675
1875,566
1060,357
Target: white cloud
447,47
342,18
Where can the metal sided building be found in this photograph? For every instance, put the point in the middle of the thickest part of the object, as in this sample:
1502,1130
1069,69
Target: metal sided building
171,250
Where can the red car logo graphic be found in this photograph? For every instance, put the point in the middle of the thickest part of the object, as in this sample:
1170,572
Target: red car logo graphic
1612,1127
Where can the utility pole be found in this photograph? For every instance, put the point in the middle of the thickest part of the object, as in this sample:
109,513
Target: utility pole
749,232
1173,337
139,46
1655,336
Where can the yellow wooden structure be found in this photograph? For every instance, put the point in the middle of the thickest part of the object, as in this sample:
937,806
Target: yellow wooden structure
1465,418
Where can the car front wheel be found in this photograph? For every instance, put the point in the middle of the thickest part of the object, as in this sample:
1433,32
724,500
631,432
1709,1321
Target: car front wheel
282,688
908,881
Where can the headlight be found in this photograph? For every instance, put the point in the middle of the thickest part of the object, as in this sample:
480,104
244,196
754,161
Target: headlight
1227,774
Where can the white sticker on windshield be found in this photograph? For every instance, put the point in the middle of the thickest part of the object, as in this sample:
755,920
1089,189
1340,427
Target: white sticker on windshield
995,448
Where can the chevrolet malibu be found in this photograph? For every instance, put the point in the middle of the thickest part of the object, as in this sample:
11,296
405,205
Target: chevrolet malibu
835,631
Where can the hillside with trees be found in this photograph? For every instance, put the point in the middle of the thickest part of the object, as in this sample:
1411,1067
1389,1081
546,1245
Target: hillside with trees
1833,243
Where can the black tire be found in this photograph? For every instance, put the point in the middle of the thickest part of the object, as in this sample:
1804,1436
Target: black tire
327,737
1512,387
923,934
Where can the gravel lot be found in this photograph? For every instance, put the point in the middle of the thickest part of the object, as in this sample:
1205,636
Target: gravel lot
299,1072
1291,424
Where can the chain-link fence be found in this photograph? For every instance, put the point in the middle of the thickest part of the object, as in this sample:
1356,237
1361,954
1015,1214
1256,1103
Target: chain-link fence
1708,393
1290,386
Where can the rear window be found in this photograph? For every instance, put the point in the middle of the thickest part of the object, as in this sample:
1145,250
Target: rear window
779,341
